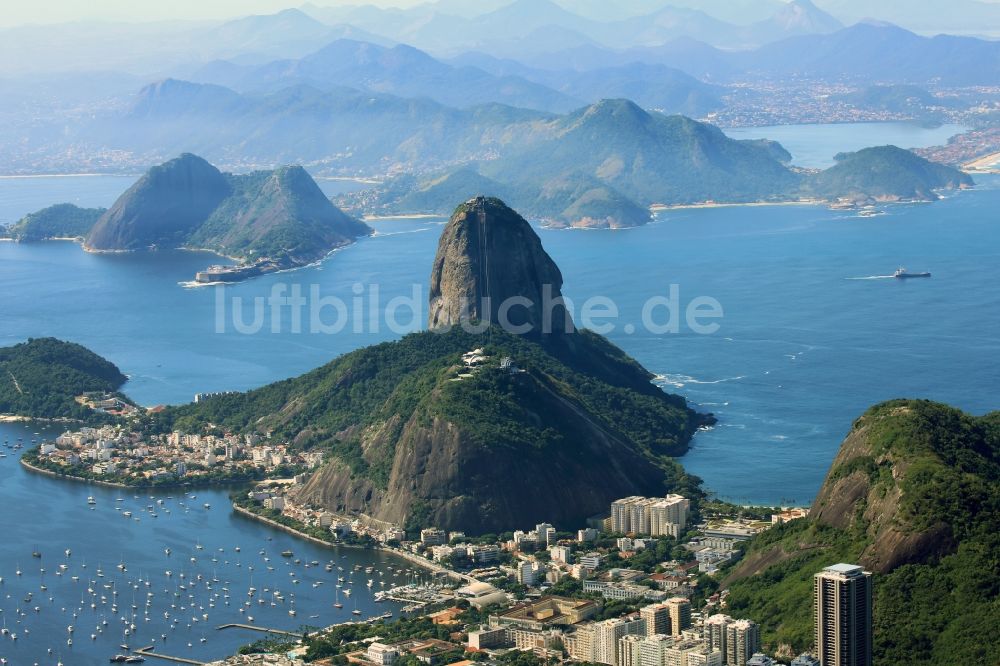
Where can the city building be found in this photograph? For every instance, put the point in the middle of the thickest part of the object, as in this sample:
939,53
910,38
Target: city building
487,638
607,635
680,614
480,595
805,660
561,554
715,631
644,650
546,612
382,654
655,516
842,607
527,574
742,641
683,651
622,590
546,534
705,657
432,536
657,617
484,554
759,659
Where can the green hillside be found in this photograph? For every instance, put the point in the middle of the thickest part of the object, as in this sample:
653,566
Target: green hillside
41,377
58,221
914,495
187,202
885,172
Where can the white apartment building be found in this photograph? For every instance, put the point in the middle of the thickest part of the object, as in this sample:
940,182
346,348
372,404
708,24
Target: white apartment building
654,516
382,654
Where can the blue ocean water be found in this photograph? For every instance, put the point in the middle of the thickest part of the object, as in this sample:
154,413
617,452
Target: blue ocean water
815,145
215,557
812,334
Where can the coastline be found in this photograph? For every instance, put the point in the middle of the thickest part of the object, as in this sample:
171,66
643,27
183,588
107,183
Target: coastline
17,418
989,163
404,216
409,557
194,284
656,208
141,486
76,479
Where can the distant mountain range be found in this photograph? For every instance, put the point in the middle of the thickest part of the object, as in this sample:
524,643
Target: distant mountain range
606,164
502,31
601,165
400,70
408,72
342,130
862,53
931,16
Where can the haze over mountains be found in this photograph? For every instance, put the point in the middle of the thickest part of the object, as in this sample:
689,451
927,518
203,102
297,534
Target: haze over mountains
443,85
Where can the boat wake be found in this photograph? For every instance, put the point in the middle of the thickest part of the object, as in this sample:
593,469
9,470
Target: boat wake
380,234
679,381
873,277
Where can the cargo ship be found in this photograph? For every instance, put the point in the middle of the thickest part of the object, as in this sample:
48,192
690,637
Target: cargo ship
903,274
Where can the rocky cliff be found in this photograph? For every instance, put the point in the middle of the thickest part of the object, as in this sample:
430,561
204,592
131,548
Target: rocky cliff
490,266
162,208
477,431
914,496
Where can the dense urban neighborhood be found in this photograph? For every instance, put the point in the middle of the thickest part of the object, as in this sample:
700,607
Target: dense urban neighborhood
637,586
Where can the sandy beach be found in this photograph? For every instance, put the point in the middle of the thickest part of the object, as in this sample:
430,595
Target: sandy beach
655,208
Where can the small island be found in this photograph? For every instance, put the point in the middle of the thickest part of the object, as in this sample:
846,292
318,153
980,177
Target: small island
265,221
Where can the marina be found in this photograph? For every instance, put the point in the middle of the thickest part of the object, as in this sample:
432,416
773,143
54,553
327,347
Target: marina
82,583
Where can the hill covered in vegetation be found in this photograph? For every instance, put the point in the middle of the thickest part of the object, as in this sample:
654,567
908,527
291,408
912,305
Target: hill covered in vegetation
913,495
280,214
58,221
606,164
536,426
41,378
886,173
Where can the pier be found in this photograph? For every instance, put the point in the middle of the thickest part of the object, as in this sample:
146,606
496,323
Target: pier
264,630
148,652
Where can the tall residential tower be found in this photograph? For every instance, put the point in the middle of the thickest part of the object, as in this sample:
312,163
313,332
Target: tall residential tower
842,603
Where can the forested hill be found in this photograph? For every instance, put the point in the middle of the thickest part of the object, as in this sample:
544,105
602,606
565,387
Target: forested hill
914,496
41,378
58,221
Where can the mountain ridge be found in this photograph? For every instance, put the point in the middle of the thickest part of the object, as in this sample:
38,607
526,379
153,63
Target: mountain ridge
278,215
914,495
418,434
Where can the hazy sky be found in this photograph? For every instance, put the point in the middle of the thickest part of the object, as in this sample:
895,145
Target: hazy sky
18,12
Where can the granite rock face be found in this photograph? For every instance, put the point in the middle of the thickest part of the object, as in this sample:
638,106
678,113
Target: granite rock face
490,266
169,202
